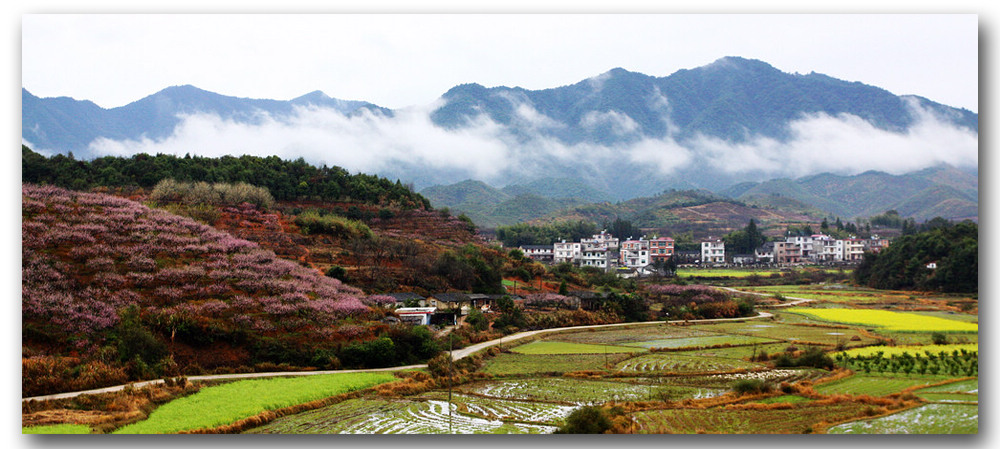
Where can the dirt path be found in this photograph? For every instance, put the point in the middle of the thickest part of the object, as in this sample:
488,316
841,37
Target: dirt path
457,354
796,301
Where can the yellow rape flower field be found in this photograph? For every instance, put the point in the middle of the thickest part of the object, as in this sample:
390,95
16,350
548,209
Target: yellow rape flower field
921,350
891,321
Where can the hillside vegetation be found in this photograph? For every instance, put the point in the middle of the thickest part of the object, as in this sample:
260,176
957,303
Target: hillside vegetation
113,290
285,180
953,249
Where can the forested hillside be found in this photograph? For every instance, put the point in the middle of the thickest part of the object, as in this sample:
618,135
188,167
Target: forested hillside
286,180
944,258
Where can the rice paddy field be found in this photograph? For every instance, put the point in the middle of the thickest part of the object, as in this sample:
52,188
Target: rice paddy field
674,378
927,419
559,347
876,384
800,419
520,364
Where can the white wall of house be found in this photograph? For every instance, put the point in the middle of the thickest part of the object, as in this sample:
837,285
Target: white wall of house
713,251
634,253
567,252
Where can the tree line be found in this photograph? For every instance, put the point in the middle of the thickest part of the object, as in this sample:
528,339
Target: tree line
952,248
285,180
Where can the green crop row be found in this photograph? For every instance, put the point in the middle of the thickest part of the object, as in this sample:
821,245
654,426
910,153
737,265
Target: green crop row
227,403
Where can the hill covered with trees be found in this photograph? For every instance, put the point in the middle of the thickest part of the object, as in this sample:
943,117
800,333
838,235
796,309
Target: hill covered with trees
285,180
943,257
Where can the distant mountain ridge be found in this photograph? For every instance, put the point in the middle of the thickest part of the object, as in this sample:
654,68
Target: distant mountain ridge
65,124
934,192
622,133
724,99
939,191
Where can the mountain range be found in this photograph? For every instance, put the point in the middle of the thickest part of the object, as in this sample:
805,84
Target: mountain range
737,126
941,191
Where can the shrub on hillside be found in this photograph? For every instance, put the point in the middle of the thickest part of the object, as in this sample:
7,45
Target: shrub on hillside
312,222
223,194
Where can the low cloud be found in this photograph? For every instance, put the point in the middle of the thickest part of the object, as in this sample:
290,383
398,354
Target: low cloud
620,124
845,144
372,143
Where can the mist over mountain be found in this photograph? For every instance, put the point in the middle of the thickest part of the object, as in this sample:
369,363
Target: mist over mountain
623,133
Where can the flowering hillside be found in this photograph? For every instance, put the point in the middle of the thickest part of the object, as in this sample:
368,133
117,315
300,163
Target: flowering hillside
88,258
87,255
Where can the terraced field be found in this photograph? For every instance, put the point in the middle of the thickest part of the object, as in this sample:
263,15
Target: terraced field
701,342
687,369
927,419
564,390
617,336
800,419
373,416
513,363
560,347
962,391
666,362
876,385
830,335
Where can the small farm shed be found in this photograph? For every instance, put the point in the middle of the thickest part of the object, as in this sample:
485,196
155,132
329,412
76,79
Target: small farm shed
416,315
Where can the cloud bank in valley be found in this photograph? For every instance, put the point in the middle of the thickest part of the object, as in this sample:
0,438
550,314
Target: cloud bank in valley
372,143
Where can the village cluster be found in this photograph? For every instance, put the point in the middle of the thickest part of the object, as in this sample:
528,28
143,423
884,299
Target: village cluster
607,252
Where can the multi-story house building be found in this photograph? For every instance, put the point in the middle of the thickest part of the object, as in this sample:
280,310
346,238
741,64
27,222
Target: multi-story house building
765,253
595,255
851,249
603,239
787,253
713,251
661,248
634,253
805,244
541,253
824,249
564,251
875,243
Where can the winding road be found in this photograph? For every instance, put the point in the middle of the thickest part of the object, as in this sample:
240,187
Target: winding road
456,354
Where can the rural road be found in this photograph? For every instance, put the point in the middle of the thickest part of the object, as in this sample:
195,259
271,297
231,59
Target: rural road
795,302
457,354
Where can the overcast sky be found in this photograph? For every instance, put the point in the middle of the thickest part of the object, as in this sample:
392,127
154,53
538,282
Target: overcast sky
401,60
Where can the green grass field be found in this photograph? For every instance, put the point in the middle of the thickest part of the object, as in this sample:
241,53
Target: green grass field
57,429
227,403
